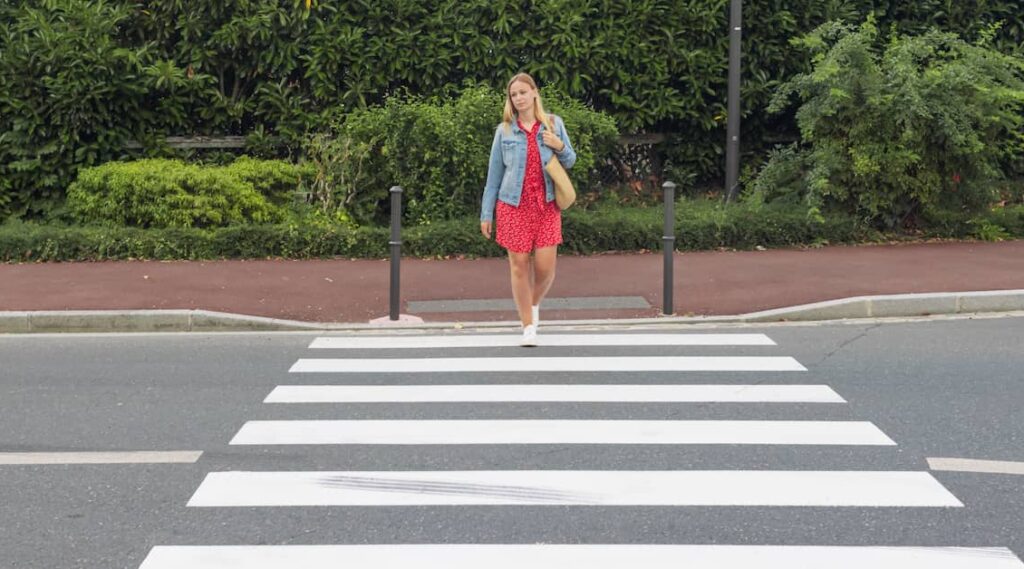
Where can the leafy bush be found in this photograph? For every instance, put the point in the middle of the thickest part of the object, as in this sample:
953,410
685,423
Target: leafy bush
113,70
997,224
700,224
437,152
170,193
66,87
1010,219
275,180
890,135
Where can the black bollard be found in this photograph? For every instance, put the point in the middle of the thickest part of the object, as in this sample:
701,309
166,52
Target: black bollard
396,248
669,245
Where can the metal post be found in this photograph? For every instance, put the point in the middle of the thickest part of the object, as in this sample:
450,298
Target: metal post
669,245
396,248
732,151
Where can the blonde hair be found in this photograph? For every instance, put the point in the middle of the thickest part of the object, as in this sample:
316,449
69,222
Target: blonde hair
510,113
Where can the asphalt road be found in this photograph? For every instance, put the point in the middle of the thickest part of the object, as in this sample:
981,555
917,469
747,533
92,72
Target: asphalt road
937,388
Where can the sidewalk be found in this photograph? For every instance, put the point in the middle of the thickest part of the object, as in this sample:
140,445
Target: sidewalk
356,291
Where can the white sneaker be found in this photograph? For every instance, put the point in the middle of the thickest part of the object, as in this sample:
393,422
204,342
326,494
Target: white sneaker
529,335
536,315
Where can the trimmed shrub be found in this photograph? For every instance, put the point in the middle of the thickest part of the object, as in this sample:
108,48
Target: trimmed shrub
169,193
700,225
276,180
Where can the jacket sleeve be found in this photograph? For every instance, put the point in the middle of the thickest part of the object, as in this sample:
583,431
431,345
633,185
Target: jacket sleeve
495,172
568,155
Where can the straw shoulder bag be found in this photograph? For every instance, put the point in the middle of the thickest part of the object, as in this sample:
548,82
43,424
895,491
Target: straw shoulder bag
565,194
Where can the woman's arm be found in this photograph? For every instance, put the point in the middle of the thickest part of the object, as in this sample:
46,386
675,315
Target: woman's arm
568,155
495,172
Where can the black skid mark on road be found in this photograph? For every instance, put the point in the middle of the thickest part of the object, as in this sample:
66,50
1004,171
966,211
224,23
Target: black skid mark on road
404,486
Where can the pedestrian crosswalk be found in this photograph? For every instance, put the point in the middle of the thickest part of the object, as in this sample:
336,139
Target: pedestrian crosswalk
635,379
518,432
468,556
578,364
553,364
573,487
548,393
559,340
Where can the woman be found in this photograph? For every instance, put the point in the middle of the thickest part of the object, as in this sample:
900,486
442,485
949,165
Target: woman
522,196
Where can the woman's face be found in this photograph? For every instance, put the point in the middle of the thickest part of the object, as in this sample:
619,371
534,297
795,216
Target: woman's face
522,96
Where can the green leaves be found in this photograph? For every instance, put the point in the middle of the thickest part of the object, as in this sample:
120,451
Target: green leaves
88,75
170,193
70,95
700,224
894,132
436,150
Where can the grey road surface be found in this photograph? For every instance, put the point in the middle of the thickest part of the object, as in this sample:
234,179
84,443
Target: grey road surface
938,388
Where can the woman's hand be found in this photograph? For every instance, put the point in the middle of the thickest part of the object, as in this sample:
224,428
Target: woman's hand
552,141
485,228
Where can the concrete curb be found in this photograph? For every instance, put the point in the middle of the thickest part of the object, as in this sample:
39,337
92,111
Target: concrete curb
883,306
897,305
47,321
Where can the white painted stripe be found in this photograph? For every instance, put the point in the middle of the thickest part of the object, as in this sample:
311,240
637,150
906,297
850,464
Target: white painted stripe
133,457
974,465
574,487
552,393
498,340
524,432
457,556
526,364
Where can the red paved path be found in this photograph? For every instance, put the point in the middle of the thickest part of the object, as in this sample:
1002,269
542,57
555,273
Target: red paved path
707,283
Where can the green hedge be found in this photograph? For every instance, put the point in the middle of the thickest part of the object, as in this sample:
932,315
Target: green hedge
159,193
78,78
700,225
71,95
30,242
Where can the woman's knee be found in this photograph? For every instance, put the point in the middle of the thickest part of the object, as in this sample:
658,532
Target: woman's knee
544,266
520,264
544,273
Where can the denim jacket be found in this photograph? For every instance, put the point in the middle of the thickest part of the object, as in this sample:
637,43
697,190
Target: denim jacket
507,167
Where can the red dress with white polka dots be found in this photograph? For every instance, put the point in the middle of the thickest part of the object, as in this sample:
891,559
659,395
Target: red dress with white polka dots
536,223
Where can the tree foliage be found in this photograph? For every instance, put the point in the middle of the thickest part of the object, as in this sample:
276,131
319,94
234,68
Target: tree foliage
78,78
921,124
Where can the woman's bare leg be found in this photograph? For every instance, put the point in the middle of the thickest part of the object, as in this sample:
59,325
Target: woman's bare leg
544,272
522,285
